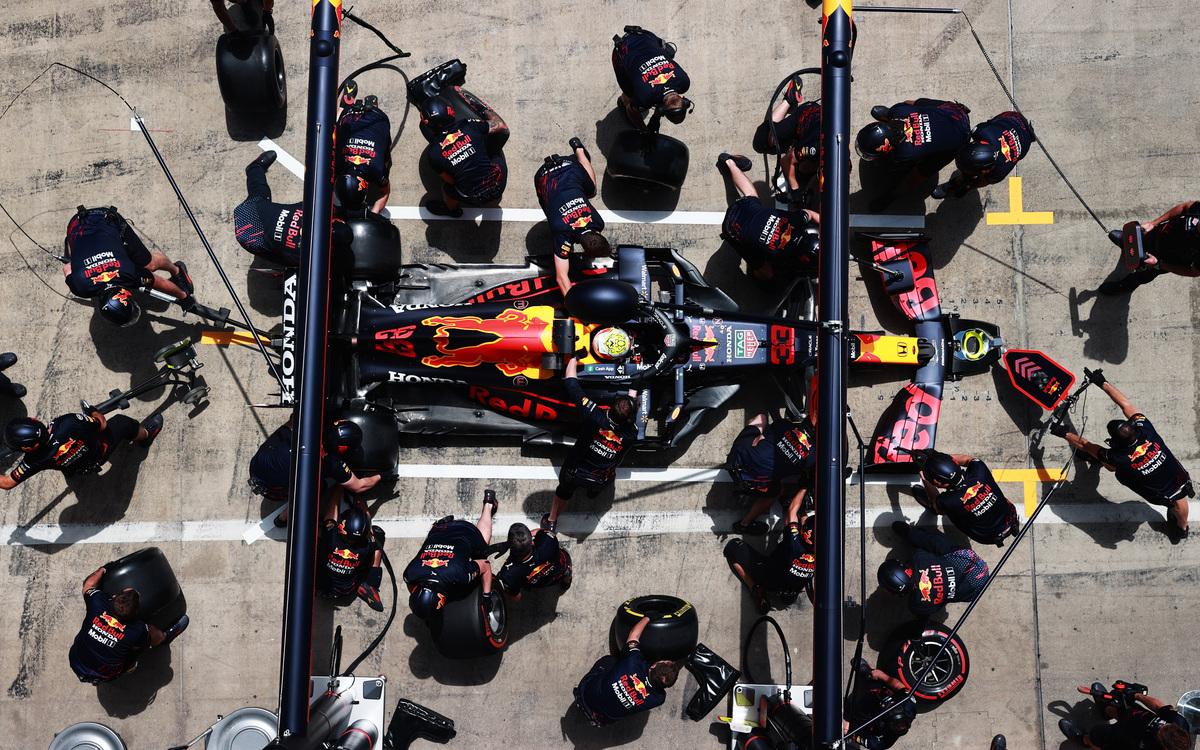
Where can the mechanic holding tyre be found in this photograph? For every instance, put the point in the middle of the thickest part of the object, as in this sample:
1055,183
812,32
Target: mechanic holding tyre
1172,243
364,161
764,455
620,686
564,184
452,556
1140,458
649,78
792,130
270,468
940,571
913,140
993,151
112,636
874,692
604,438
776,245
74,444
535,561
786,570
1142,721
467,153
107,262
963,489
351,553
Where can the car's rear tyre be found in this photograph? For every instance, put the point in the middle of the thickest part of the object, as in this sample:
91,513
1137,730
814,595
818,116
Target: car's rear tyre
672,633
909,650
148,572
250,72
374,250
380,449
466,631
654,159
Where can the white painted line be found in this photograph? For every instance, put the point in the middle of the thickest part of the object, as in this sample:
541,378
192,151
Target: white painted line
133,126
254,533
612,523
285,160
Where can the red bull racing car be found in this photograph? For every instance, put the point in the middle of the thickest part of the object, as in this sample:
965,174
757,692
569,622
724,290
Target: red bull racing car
480,349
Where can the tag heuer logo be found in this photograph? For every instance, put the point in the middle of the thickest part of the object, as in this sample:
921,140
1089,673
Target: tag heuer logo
745,344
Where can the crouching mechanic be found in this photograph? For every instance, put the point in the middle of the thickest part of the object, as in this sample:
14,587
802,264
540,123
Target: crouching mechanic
793,130
763,455
776,245
963,489
452,556
1140,459
112,636
467,153
620,686
564,184
364,140
913,140
649,78
875,691
993,151
605,437
535,561
74,444
107,262
940,571
1142,721
1172,243
351,553
786,570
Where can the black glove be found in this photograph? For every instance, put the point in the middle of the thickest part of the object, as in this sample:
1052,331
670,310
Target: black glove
861,667
575,143
1059,428
1096,376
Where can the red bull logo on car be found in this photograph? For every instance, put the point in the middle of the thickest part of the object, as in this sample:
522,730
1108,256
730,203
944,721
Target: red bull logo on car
512,341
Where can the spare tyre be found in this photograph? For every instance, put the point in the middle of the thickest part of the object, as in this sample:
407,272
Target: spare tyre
603,301
374,251
147,571
467,631
250,72
653,159
913,647
673,630
380,449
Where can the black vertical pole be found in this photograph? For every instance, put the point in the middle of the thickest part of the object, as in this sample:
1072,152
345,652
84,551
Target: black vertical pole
831,383
312,330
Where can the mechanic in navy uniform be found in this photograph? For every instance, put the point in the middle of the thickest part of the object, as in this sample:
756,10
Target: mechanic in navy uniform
963,489
620,686
535,561
775,244
1141,459
1143,722
605,436
914,139
564,184
7,387
993,151
874,691
794,131
939,572
107,262
364,161
271,466
74,444
786,570
112,636
1172,243
452,556
467,153
350,551
765,454
649,77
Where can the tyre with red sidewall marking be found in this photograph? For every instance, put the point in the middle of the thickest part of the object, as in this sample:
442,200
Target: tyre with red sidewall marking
908,652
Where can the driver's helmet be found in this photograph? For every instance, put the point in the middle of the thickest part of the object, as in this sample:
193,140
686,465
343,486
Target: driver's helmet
611,344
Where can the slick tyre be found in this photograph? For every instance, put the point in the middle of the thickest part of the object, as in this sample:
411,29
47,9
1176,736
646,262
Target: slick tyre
652,159
148,572
250,72
672,633
373,253
466,630
912,647
380,449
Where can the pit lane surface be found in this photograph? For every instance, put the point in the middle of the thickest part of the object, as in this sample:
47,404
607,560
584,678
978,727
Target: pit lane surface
1106,86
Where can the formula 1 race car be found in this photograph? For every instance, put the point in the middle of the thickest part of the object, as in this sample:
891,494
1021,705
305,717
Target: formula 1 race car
480,349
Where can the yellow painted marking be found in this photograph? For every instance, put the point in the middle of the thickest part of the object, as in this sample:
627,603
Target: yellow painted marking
833,5
225,338
1029,478
1017,213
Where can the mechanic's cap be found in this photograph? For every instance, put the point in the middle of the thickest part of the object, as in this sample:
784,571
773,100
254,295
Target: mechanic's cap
426,600
976,158
875,140
941,469
117,305
344,436
438,113
611,344
25,434
894,576
351,191
354,523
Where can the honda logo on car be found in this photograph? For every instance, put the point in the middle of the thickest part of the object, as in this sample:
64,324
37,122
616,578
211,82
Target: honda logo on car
287,393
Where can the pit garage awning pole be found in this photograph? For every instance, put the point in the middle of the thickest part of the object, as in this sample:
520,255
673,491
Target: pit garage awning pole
312,333
831,380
